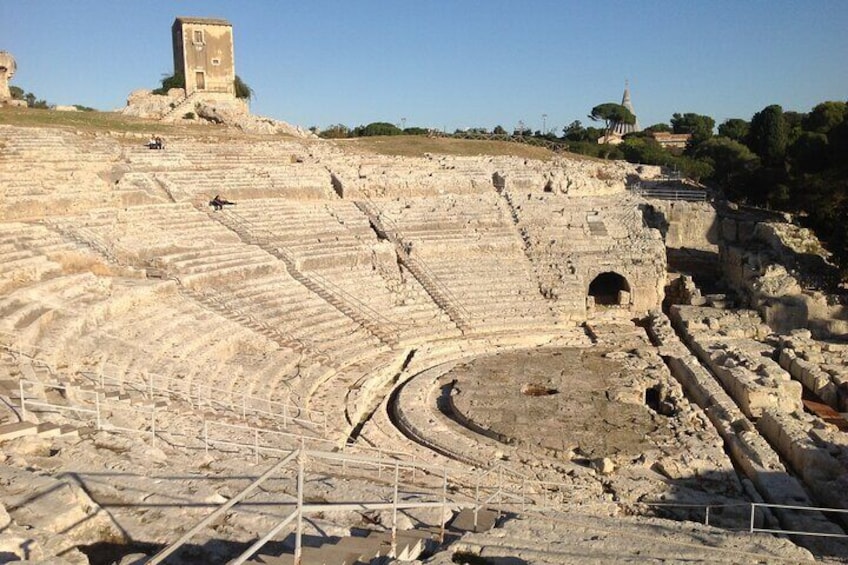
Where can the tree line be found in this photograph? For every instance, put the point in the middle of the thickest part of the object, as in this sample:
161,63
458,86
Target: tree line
790,161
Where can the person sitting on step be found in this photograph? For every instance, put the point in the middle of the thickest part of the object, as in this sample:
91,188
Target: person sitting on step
218,203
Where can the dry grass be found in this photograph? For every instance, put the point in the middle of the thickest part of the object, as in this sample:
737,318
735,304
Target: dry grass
73,263
114,122
418,145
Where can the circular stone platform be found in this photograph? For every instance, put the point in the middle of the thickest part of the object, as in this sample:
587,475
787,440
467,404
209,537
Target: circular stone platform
582,402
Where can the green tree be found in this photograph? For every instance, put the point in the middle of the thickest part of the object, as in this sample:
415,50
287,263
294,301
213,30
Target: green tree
176,80
700,127
645,150
243,91
730,160
735,129
17,92
611,113
415,131
499,130
769,135
376,128
809,153
335,131
825,116
661,127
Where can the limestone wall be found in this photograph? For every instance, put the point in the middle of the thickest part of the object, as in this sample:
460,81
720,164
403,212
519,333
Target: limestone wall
745,444
767,395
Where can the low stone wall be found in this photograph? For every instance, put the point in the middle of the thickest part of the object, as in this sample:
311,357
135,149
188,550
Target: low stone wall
749,450
822,367
766,394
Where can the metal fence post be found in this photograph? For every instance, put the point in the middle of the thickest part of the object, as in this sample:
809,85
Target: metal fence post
206,435
97,409
753,508
23,399
707,517
395,512
476,500
299,530
256,445
444,505
244,406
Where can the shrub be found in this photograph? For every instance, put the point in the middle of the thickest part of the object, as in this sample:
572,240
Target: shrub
189,116
243,91
176,80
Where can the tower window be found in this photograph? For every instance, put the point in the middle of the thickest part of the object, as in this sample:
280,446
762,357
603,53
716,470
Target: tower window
198,36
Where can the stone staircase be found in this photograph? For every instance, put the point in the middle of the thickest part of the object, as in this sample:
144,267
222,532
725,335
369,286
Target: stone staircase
438,292
383,328
372,546
183,105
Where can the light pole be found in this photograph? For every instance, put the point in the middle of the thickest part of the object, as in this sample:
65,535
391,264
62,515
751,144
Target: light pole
403,123
544,124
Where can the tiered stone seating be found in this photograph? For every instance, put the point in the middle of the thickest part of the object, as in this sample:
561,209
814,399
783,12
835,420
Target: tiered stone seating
55,148
471,247
277,301
24,250
174,337
384,177
48,169
176,238
332,244
300,180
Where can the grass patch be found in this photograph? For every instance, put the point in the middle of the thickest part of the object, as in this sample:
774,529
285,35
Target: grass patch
77,263
418,145
115,122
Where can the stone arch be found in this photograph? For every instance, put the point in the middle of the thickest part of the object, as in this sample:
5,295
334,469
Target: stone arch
610,289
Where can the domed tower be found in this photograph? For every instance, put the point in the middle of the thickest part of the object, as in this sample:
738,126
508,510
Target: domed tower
620,128
7,71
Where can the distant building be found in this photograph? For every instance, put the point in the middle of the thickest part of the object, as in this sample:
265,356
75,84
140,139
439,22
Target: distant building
203,54
619,129
677,140
7,71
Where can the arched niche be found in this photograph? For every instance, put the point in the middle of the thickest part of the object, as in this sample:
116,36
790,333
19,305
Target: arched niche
610,289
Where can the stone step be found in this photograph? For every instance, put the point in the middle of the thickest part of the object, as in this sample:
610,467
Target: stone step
464,520
324,555
17,429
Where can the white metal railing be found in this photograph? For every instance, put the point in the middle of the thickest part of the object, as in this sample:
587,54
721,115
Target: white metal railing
690,195
754,505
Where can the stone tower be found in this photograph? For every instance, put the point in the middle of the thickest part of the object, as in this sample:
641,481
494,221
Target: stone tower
203,54
7,71
621,128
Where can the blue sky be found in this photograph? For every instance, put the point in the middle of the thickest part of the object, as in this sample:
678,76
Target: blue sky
451,63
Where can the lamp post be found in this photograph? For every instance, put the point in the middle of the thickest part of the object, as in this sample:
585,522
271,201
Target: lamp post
544,124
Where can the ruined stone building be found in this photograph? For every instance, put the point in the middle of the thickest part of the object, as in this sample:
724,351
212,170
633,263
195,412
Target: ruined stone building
203,54
7,70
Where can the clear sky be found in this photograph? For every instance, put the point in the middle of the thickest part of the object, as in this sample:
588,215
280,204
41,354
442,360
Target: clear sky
451,63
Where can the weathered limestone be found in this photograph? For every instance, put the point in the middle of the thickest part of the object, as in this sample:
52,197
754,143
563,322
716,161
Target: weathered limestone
117,275
765,393
7,71
821,366
743,440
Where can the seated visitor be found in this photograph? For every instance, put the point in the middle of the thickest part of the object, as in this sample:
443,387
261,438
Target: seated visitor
218,203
